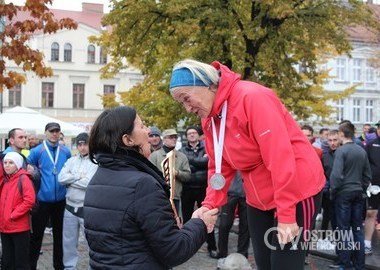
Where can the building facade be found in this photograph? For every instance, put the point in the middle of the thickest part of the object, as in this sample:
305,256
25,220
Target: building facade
363,106
73,93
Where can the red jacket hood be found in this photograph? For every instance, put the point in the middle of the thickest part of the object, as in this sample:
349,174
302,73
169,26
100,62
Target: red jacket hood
227,81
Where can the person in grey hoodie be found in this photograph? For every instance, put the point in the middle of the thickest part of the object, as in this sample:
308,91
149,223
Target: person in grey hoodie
75,175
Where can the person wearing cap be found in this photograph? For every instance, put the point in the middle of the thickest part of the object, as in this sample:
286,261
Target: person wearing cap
247,128
17,198
182,167
49,157
75,175
373,202
155,139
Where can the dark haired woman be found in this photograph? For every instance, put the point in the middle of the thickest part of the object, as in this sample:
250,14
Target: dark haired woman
128,219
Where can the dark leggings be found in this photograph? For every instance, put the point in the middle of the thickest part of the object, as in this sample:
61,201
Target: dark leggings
15,250
268,253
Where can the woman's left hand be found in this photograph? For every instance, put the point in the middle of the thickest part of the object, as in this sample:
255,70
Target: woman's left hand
287,232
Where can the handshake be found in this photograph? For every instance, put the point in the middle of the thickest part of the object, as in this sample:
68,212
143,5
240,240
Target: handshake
208,216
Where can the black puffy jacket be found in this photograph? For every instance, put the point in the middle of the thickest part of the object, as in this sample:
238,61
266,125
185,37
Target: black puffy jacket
198,165
128,219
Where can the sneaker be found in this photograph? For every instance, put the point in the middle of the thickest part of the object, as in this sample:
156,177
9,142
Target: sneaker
368,251
213,254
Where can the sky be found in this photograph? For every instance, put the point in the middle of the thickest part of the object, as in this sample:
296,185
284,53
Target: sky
67,4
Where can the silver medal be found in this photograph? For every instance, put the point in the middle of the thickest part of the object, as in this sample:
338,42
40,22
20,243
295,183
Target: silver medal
217,181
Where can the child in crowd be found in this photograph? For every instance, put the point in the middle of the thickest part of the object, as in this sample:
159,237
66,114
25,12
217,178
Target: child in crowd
17,197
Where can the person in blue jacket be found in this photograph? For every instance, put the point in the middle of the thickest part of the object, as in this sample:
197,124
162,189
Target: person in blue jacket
49,157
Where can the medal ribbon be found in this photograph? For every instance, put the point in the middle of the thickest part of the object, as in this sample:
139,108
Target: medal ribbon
218,143
54,161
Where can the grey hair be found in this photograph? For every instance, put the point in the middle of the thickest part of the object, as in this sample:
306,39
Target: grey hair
205,72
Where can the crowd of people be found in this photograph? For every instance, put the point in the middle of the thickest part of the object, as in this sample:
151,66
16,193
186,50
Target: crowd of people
249,161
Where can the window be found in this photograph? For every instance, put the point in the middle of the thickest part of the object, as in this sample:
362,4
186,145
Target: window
357,70
15,96
91,54
341,69
47,95
55,51
103,56
78,96
356,110
370,73
369,110
67,52
109,89
340,110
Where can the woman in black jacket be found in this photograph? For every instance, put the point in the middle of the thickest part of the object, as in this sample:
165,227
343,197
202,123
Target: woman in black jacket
129,223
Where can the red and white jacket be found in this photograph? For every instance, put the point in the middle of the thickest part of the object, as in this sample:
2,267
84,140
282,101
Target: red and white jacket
14,208
278,164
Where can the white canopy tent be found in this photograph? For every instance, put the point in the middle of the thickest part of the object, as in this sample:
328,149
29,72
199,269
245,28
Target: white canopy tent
32,121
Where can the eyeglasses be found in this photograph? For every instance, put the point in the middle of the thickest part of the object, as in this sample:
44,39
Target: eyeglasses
171,137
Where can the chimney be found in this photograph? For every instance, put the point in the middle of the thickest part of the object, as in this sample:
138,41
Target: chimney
92,8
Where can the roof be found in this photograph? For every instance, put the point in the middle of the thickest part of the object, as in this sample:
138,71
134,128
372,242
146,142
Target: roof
91,15
363,34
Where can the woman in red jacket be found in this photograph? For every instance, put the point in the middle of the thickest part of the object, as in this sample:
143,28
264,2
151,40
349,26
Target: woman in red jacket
247,128
17,197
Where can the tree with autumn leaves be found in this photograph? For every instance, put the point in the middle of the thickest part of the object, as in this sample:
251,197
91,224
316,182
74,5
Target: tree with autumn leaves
15,35
279,44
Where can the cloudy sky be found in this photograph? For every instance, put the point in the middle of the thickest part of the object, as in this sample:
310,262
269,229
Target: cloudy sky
67,4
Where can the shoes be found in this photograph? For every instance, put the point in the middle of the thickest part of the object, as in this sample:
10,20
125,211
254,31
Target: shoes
48,231
213,254
368,251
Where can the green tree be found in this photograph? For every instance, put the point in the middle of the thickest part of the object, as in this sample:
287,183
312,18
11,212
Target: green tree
265,41
16,33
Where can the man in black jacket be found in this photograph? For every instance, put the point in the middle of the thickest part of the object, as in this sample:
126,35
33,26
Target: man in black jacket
194,191
373,203
349,179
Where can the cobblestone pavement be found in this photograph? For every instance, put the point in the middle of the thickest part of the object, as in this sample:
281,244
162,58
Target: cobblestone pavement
201,260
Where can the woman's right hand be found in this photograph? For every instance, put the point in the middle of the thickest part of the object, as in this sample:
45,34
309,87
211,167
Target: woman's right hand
209,217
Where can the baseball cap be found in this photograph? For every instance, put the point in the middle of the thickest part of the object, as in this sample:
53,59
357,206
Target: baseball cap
52,126
82,138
